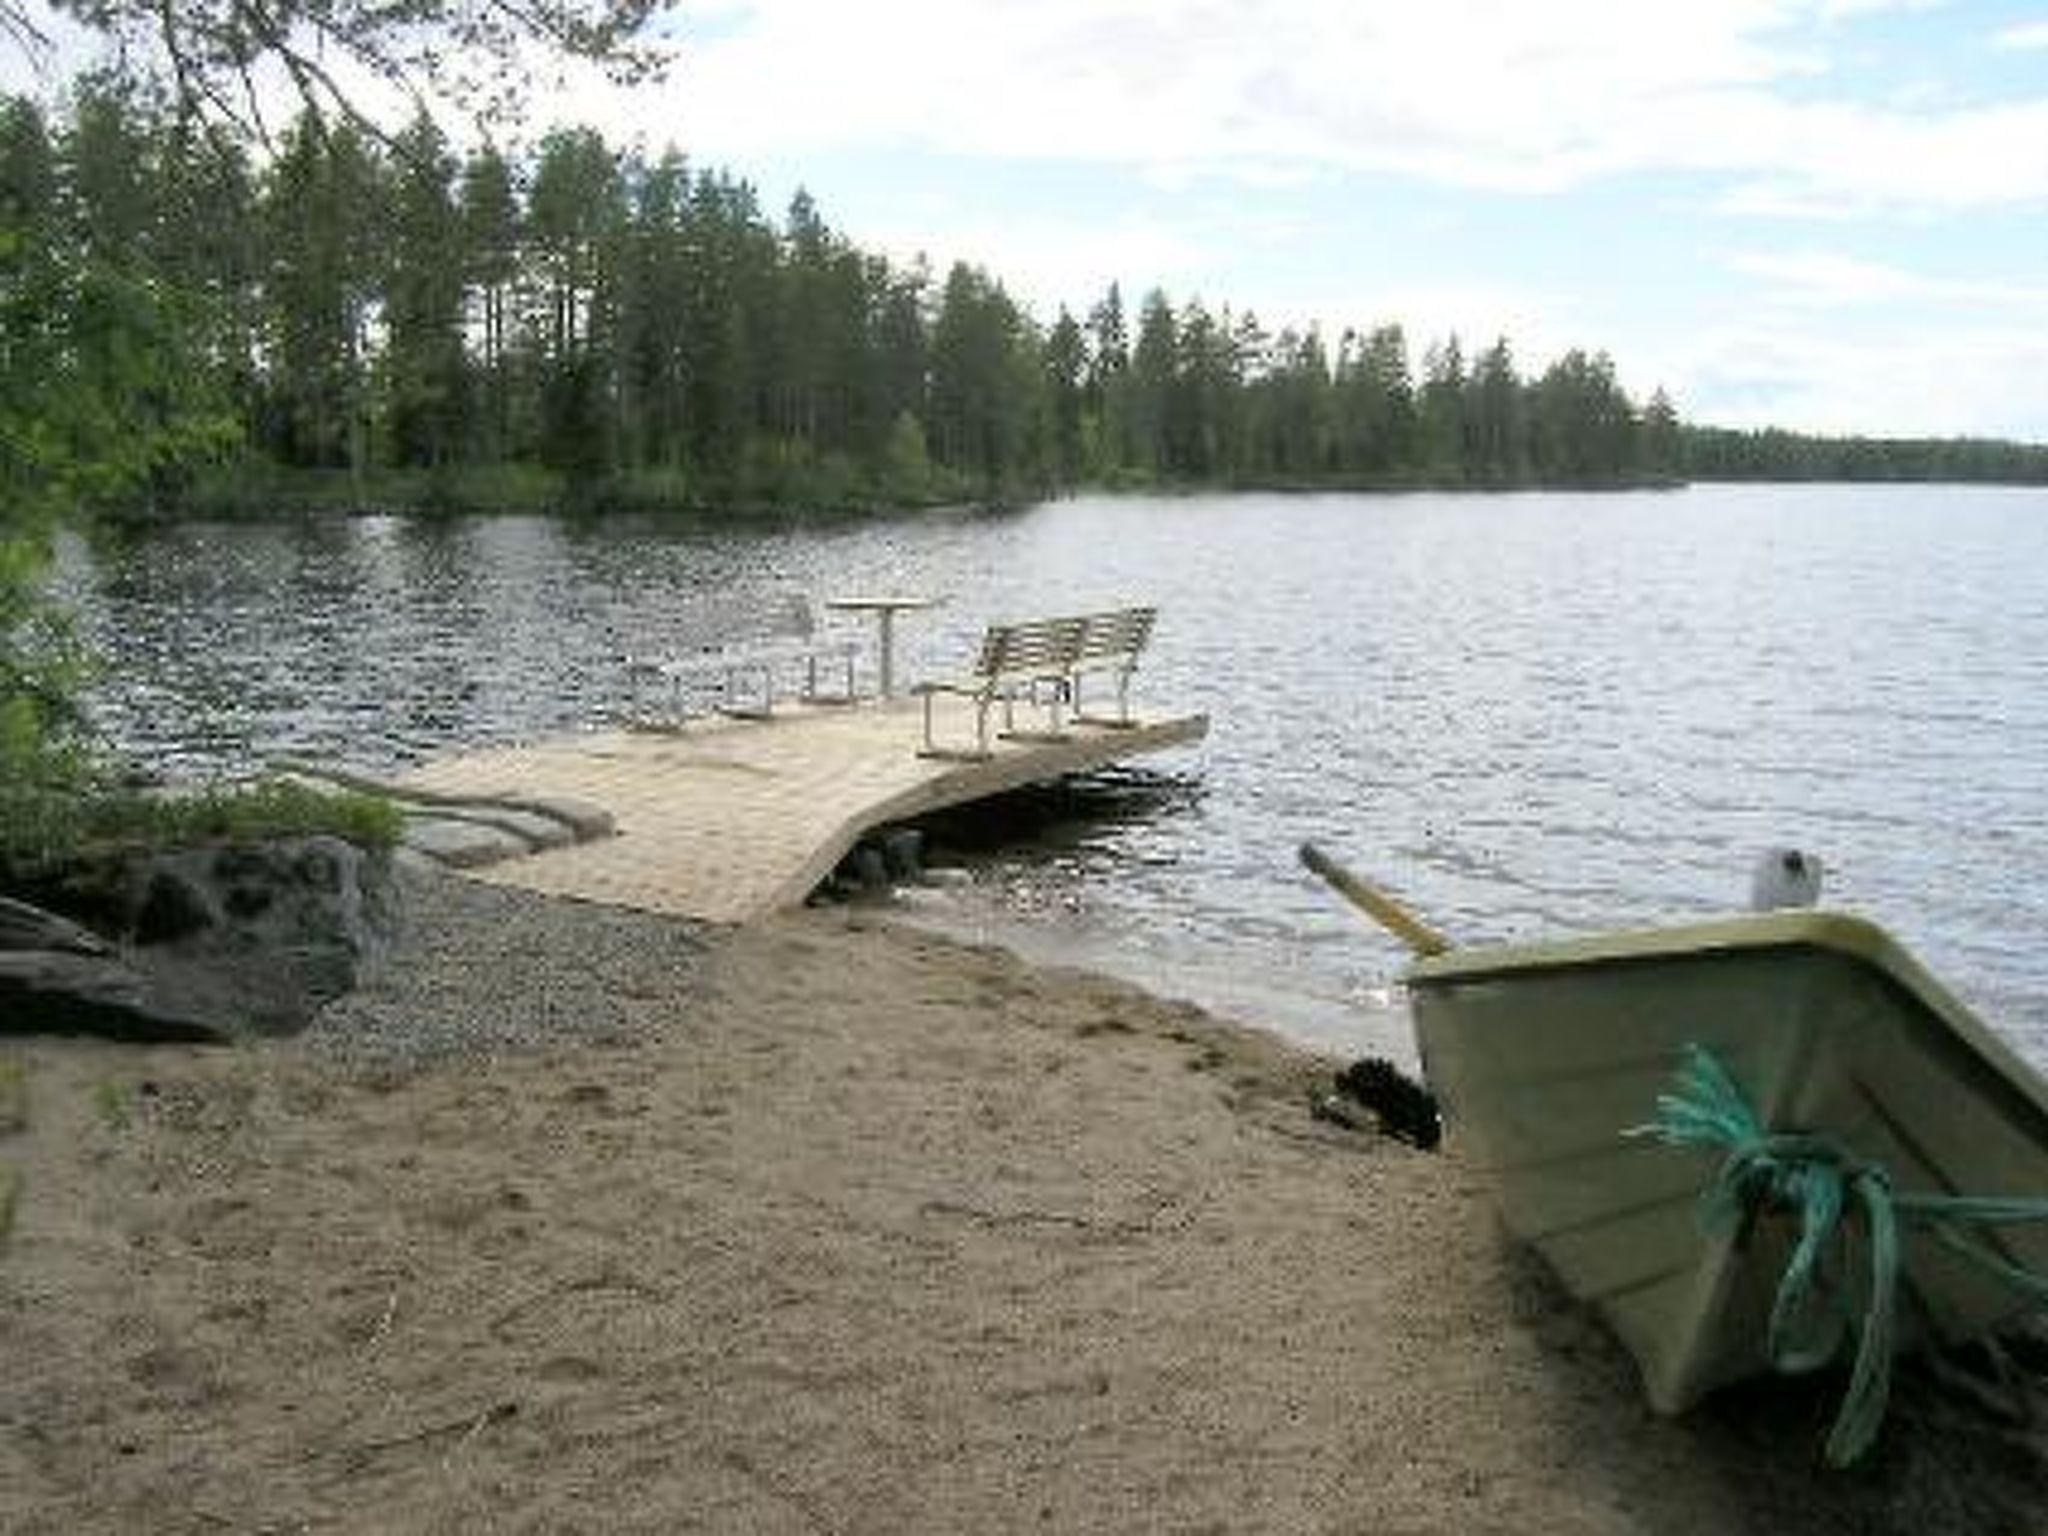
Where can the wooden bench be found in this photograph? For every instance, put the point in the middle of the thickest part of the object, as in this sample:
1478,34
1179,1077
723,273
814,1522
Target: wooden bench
1110,643
1041,662
733,652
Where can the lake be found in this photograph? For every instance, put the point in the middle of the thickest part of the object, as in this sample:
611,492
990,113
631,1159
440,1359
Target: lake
1528,714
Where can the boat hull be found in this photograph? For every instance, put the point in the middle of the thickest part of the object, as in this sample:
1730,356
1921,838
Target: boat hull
1545,1057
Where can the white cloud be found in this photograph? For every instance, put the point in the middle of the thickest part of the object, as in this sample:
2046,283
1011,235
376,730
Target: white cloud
1478,93
1828,280
2026,36
1821,279
1827,342
1047,262
1935,382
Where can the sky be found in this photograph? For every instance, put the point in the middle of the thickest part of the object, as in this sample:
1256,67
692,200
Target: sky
1828,215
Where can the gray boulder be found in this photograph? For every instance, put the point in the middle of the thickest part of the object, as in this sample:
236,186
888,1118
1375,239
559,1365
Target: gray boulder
460,843
260,935
218,941
25,927
63,992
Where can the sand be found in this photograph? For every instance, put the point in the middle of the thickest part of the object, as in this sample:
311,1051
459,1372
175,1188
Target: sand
823,1226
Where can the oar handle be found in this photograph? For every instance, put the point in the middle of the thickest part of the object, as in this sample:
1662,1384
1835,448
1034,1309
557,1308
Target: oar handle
1376,904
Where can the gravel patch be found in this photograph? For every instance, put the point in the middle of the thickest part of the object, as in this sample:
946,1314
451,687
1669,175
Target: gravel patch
478,970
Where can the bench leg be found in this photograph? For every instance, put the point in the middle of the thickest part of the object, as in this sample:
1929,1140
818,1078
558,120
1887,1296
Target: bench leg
815,663
1055,730
1121,720
931,747
736,704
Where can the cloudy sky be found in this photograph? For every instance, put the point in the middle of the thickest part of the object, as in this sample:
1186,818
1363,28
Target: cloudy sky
1825,214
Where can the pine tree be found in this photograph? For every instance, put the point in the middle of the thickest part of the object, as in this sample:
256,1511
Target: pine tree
488,219
321,206
426,375
1066,361
1155,360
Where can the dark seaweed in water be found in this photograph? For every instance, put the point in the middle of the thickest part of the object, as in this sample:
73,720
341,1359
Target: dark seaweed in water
1405,1109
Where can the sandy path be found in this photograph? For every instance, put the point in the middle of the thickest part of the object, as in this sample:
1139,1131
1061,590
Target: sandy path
861,1231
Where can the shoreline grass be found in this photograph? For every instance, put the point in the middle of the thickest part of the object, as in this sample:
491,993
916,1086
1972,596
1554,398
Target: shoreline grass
48,831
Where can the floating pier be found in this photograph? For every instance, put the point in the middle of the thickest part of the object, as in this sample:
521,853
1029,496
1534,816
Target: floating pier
730,820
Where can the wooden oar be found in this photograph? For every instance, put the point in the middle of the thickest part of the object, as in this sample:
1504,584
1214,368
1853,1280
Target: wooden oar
1376,904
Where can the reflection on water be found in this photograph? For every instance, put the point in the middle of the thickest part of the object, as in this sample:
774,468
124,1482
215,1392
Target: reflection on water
1528,714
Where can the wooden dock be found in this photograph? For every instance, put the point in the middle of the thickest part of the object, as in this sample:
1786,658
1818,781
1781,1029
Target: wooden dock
729,820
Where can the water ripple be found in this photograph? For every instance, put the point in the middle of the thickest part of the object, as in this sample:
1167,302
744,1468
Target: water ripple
1527,713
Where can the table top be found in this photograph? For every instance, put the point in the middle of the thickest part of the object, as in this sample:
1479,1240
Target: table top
878,604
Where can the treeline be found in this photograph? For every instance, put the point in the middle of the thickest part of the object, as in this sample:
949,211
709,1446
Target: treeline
391,320
1719,453
365,308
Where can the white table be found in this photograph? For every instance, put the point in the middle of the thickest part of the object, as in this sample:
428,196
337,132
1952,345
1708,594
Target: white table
885,610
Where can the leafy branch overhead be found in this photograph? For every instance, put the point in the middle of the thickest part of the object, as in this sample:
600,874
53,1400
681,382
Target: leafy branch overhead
215,55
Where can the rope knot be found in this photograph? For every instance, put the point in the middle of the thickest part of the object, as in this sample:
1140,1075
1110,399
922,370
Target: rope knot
1830,1188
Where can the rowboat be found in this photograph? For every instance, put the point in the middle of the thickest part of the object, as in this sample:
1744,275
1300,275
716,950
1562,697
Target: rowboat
1551,1060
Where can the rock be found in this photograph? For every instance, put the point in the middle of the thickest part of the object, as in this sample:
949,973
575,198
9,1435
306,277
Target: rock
948,878
63,992
25,927
869,868
461,844
173,907
542,820
218,940
534,830
587,821
293,922
407,860
903,850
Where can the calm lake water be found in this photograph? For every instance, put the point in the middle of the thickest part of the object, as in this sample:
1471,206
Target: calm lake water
1528,714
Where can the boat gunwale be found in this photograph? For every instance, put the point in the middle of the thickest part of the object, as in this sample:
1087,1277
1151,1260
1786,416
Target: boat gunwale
1856,938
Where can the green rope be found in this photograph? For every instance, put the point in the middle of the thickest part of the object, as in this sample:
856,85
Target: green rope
1826,1184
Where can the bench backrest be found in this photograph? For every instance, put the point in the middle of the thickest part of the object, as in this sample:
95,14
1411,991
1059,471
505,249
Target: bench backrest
1036,647
1122,632
1054,647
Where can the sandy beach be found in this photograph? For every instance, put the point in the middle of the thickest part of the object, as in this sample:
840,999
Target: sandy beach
579,1220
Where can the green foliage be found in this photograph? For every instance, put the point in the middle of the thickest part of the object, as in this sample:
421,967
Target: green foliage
255,486
102,399
39,673
1719,453
400,323
134,250
908,476
43,833
212,55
